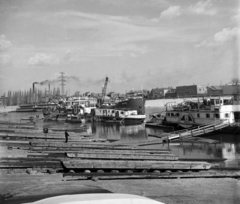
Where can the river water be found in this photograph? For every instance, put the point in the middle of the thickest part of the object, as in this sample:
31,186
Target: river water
218,146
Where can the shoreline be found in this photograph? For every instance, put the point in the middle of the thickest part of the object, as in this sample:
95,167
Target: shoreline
174,191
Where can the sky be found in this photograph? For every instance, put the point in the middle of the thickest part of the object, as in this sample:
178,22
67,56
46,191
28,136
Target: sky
138,44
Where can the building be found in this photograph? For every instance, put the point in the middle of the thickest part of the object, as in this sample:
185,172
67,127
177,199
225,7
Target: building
231,89
157,93
191,90
171,93
214,90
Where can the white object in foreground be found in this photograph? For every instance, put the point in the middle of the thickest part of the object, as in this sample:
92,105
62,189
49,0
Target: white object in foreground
98,198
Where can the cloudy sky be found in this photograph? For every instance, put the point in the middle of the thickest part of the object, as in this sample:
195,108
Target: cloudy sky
136,43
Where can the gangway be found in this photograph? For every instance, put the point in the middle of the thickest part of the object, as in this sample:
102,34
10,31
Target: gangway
196,131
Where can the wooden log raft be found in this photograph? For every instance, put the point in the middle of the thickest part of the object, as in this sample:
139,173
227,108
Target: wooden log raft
123,156
141,165
37,134
98,145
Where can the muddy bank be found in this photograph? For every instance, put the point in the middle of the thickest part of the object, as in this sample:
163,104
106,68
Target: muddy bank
187,191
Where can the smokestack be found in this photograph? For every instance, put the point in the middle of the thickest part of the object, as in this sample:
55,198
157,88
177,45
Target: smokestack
34,86
49,89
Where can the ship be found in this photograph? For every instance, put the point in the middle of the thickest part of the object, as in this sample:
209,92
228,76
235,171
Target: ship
121,116
222,111
26,108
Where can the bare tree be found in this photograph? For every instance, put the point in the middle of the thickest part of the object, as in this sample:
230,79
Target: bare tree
235,81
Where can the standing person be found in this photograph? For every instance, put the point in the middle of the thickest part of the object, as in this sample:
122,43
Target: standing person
45,131
66,136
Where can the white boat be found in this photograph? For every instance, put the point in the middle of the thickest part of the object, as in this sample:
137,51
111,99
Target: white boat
123,116
205,111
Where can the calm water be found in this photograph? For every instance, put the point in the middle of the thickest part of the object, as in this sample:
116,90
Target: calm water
216,146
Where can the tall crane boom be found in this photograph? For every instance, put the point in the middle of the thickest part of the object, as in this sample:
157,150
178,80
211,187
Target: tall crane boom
104,89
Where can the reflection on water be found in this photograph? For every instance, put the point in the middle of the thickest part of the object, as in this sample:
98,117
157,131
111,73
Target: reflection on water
211,147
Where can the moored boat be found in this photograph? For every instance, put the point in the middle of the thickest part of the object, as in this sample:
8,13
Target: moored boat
204,112
26,108
122,116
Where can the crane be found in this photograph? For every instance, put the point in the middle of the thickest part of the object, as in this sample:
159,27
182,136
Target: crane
104,89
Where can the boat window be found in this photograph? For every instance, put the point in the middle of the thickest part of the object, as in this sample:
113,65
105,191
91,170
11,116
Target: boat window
172,114
216,115
226,115
207,115
168,114
212,101
198,115
113,111
189,118
177,114
217,101
183,118
122,112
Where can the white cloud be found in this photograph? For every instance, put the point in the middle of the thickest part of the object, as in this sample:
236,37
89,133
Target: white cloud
5,60
203,7
171,12
42,59
226,35
4,43
236,17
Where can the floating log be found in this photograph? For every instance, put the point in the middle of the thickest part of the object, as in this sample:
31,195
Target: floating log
128,164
